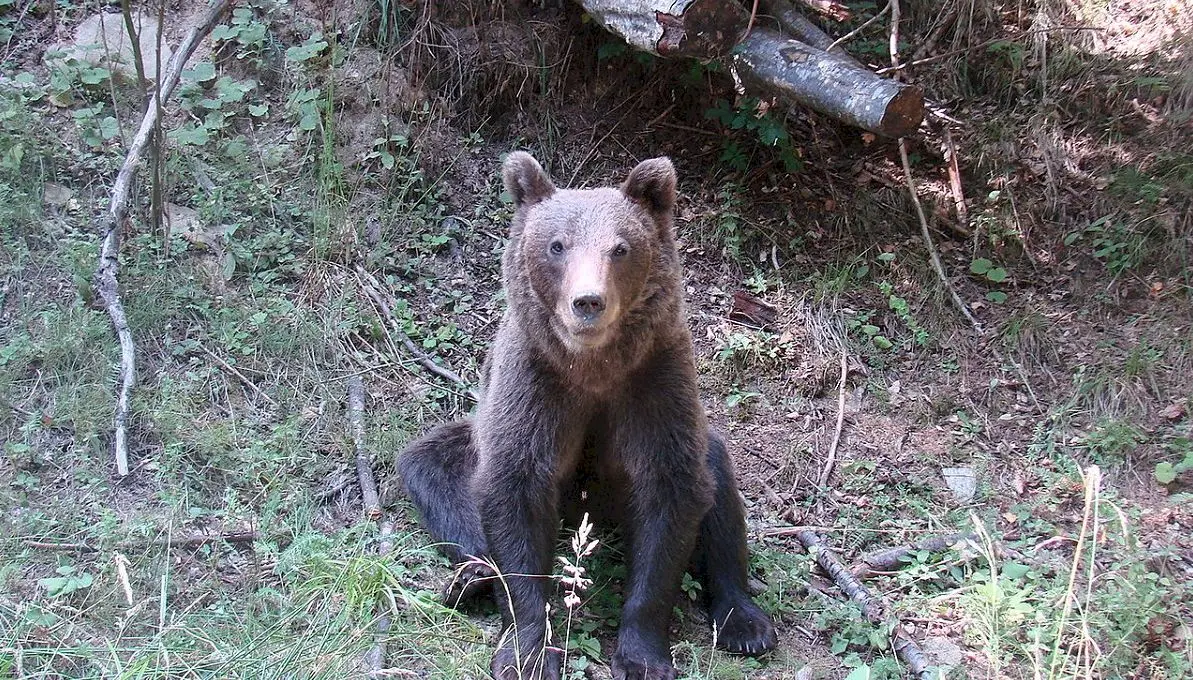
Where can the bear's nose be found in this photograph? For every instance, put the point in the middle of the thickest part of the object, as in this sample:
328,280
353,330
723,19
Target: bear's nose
588,307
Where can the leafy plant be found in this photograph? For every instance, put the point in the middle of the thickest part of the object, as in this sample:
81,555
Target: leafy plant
69,580
750,115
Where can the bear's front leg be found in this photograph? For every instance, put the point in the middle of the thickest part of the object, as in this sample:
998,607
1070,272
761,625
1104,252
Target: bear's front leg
524,434
662,439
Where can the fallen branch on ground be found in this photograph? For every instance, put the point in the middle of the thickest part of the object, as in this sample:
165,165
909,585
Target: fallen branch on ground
165,542
907,649
105,281
789,63
832,449
364,466
890,559
385,304
235,372
375,657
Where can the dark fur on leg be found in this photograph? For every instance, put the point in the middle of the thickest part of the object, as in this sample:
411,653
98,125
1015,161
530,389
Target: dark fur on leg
436,470
741,626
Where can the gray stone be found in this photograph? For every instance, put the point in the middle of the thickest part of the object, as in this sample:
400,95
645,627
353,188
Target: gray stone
101,40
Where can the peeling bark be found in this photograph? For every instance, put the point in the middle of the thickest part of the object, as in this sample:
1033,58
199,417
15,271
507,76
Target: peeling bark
828,83
767,60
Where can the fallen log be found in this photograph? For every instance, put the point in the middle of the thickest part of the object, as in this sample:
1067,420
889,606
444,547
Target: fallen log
767,61
831,84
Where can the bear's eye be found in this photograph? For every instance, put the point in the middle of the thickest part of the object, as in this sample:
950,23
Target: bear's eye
621,250
556,247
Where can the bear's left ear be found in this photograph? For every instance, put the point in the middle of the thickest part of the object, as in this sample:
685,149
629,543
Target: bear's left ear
652,185
525,179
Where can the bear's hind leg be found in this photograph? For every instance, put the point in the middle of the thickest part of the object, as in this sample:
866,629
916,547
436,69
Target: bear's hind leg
436,471
722,564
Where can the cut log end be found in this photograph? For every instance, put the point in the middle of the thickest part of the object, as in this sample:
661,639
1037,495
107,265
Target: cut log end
706,28
904,113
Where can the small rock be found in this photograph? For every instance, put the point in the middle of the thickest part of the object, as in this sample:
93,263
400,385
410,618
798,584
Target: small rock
101,40
962,482
56,195
943,653
184,222
1174,411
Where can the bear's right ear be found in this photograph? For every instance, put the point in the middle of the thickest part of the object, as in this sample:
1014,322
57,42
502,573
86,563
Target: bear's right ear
525,179
652,185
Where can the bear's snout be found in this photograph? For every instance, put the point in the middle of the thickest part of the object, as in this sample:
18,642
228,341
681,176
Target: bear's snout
588,307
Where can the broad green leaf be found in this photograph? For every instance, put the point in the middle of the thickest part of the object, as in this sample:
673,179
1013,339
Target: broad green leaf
1165,473
980,266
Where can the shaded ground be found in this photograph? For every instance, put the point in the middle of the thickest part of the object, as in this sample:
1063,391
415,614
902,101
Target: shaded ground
327,138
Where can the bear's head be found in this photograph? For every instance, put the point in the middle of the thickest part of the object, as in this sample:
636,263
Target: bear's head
591,257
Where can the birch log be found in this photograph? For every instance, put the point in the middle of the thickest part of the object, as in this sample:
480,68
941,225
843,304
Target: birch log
769,62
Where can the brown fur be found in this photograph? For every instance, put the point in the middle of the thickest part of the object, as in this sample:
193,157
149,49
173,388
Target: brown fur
591,386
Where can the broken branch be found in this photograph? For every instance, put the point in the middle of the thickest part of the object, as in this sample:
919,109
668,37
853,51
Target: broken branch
832,449
829,83
385,305
768,61
933,255
890,559
364,466
907,649
105,281
166,542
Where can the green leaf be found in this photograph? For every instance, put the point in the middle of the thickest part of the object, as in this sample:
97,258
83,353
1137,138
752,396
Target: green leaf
201,73
860,673
997,275
996,296
886,257
109,128
1071,237
224,32
980,266
94,76
308,50
258,110
191,134
870,330
1165,473
1015,570
881,342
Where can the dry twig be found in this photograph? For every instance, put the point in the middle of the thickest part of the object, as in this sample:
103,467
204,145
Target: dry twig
105,280
235,372
889,559
164,542
832,449
857,31
872,606
364,466
375,657
933,254
385,305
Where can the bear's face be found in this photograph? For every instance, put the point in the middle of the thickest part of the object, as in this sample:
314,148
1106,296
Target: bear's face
588,255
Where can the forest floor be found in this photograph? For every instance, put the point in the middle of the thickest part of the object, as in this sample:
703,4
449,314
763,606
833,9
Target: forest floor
315,150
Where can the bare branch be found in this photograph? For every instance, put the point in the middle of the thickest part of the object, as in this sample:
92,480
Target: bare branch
872,605
364,466
105,280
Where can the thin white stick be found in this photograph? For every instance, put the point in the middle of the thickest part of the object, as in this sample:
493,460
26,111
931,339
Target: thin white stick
105,283
832,449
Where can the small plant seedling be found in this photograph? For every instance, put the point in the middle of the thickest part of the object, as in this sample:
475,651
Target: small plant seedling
69,580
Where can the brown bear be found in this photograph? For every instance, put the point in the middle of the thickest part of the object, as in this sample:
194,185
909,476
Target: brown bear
590,405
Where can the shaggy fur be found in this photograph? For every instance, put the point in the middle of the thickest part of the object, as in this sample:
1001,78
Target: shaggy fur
590,405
